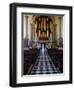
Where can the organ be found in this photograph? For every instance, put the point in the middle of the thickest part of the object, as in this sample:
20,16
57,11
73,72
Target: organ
43,27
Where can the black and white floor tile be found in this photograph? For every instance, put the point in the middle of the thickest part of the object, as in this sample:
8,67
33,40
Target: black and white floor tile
44,64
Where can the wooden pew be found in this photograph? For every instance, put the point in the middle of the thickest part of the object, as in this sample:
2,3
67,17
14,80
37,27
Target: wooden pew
57,57
30,57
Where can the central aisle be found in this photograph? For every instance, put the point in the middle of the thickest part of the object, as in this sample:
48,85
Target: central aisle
44,64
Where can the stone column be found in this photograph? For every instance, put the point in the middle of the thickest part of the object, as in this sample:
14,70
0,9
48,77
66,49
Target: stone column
26,26
52,32
60,27
29,27
60,32
35,32
57,29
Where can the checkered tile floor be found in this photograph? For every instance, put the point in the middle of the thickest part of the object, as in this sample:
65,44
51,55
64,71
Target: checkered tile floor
44,64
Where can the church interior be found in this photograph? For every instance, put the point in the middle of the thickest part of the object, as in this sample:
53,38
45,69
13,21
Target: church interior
42,44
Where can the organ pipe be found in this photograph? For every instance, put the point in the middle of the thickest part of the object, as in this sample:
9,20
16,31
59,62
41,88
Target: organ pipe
42,25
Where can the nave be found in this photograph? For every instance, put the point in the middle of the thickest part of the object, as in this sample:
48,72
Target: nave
42,44
44,64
